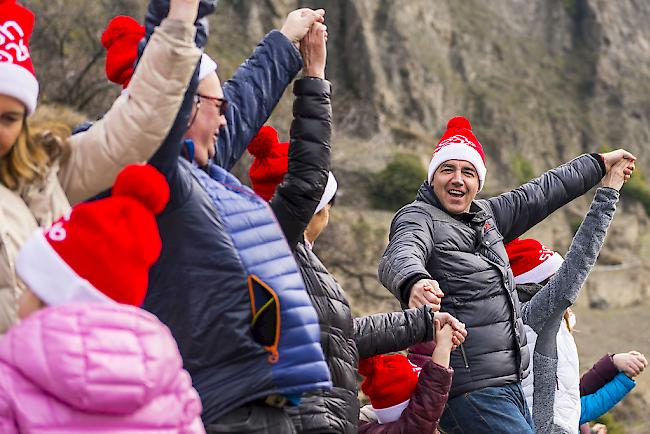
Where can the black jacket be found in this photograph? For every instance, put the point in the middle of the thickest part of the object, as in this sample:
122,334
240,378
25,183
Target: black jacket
343,338
466,255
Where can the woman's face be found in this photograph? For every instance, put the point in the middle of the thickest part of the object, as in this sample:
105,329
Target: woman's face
12,116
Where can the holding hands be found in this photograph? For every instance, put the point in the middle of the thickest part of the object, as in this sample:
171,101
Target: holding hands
299,22
426,291
621,163
314,51
445,336
631,364
458,332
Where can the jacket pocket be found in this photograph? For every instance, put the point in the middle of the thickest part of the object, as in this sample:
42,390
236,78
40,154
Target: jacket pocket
265,307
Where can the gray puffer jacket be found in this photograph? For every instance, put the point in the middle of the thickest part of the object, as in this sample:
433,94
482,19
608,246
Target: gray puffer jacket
345,340
466,255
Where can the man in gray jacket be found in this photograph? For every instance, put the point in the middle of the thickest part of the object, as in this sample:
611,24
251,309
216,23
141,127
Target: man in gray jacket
447,250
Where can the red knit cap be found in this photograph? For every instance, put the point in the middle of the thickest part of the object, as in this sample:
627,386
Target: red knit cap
270,164
17,77
531,261
459,143
389,383
121,39
101,250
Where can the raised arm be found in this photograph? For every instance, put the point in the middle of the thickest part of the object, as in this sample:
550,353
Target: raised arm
298,196
425,407
138,123
603,371
259,83
600,402
562,290
390,332
522,208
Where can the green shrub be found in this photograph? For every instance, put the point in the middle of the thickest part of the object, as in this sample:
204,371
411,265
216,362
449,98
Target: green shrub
396,184
523,169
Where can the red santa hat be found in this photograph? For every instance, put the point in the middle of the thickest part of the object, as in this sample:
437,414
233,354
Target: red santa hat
531,261
389,383
459,143
101,251
120,39
271,164
17,77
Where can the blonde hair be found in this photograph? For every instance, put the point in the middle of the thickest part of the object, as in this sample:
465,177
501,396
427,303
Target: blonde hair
33,153
565,317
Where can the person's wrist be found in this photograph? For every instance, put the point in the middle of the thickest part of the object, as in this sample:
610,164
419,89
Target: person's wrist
443,347
314,72
186,13
290,38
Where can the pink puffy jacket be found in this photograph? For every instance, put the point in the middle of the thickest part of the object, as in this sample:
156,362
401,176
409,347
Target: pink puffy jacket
100,368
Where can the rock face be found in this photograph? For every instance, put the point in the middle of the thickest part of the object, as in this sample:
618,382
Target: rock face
541,82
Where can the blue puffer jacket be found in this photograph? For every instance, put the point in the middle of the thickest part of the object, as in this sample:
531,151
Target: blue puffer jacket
224,257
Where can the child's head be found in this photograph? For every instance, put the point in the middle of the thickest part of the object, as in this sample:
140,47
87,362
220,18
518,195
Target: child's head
389,383
101,251
533,264
270,165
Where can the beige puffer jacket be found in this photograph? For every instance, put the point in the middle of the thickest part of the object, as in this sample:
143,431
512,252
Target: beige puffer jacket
130,132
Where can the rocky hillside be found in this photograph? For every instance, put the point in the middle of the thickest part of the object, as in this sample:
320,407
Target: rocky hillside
541,82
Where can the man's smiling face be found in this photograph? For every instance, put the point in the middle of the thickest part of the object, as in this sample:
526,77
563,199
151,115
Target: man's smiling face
455,183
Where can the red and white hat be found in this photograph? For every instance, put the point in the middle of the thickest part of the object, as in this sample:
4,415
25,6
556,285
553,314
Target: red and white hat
120,39
101,251
459,143
390,381
17,77
271,164
531,261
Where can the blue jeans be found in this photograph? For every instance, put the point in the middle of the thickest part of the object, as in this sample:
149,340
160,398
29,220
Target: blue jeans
489,410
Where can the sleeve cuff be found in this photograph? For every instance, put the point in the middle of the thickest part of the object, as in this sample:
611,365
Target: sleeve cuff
405,289
601,162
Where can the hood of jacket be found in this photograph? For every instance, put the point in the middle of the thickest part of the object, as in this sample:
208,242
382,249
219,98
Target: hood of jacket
107,359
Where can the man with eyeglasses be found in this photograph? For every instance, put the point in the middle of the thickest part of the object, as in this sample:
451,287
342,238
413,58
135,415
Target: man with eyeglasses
208,116
226,283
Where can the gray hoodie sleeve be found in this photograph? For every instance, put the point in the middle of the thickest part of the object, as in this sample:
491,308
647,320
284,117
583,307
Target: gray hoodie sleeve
562,291
543,313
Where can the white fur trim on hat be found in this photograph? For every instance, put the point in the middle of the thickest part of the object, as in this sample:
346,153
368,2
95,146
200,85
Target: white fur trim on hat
49,277
390,414
328,194
542,272
207,66
458,151
18,82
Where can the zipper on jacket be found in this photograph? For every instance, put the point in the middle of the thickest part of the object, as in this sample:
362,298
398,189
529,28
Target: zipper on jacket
462,352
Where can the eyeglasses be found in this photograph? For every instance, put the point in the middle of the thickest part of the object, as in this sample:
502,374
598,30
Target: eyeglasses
221,103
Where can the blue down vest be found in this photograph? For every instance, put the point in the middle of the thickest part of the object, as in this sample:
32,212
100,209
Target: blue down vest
229,289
